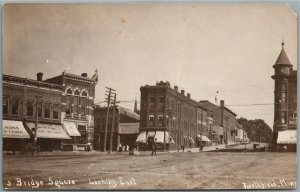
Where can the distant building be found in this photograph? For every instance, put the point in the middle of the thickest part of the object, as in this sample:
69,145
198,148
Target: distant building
224,122
285,102
242,135
125,131
171,117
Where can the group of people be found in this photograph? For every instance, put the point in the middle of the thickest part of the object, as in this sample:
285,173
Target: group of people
123,148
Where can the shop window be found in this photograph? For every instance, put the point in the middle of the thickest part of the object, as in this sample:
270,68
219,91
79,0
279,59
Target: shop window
5,105
151,120
47,110
68,104
56,111
15,106
30,108
160,120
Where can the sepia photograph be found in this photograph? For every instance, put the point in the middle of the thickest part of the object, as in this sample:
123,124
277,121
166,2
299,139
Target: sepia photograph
149,96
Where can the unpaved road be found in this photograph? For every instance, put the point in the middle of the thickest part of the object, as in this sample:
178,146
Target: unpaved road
206,170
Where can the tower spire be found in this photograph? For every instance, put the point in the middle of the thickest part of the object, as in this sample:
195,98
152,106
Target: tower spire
135,106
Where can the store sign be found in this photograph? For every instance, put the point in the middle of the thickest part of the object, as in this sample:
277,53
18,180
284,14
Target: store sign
14,129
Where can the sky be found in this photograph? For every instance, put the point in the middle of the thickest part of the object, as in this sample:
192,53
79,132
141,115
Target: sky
200,47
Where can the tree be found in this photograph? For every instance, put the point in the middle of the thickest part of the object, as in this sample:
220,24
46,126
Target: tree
257,130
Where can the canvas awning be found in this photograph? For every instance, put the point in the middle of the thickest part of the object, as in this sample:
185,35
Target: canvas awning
142,137
14,129
50,131
160,135
287,137
128,128
203,138
71,128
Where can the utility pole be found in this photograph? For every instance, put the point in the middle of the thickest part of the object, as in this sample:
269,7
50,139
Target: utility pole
112,124
36,126
109,91
201,131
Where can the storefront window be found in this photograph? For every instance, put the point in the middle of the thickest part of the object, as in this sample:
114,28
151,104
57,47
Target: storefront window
15,106
5,105
30,108
47,110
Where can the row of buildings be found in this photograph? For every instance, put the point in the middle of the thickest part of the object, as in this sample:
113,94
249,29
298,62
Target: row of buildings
63,110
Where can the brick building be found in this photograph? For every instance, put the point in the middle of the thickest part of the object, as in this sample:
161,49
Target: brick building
125,131
285,102
169,115
224,122
77,102
23,99
64,108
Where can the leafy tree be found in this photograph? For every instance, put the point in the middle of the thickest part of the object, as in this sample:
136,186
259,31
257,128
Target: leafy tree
257,130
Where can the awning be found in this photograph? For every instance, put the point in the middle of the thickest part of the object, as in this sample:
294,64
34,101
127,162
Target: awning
203,138
128,128
159,136
142,137
71,128
49,131
150,134
287,137
14,129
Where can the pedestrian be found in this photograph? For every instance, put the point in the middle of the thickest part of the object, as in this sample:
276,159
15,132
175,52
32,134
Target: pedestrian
123,148
120,148
284,149
154,147
182,147
245,149
127,147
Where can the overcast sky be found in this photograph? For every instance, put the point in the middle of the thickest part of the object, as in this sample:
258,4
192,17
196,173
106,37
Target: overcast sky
202,48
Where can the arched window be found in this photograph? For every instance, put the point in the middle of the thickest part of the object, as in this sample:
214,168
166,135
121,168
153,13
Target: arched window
69,101
83,101
76,102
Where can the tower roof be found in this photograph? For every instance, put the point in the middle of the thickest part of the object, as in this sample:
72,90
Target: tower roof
282,58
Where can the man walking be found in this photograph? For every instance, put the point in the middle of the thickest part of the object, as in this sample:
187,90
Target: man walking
154,147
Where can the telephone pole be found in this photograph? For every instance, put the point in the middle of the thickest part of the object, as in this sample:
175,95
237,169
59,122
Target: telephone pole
108,94
113,123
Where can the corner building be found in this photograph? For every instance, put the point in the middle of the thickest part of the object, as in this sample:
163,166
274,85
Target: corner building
285,103
171,117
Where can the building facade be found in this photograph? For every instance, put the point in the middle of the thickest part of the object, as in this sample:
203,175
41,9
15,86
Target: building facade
285,102
61,106
26,101
171,117
224,122
126,127
77,102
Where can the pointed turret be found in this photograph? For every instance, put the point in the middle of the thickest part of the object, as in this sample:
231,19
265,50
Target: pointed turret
282,65
282,58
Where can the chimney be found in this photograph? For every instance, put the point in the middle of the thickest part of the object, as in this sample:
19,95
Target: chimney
189,95
84,74
182,92
222,112
176,87
39,76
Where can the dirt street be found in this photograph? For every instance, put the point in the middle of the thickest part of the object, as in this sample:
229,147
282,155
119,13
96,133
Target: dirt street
205,170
